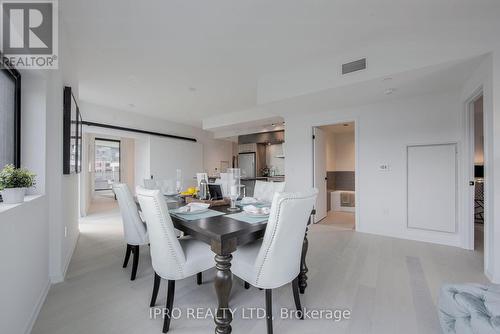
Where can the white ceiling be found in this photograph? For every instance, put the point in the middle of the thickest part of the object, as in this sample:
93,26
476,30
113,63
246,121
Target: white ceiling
188,60
441,78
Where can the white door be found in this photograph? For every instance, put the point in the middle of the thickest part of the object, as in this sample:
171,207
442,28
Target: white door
432,187
320,173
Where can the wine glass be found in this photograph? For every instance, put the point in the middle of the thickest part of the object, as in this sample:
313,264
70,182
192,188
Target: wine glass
178,182
233,186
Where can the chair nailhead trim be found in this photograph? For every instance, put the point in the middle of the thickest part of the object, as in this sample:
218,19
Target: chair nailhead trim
274,235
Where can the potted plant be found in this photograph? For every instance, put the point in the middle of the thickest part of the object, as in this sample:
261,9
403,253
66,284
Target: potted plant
14,182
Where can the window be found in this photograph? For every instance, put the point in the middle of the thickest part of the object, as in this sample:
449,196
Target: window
107,163
10,116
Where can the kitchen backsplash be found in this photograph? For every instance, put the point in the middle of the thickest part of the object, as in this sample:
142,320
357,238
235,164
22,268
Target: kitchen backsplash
272,152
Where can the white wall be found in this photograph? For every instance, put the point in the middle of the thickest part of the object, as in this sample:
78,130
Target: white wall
383,131
35,249
127,161
340,152
493,173
24,257
215,151
482,79
168,155
62,190
344,152
478,132
142,161
87,175
330,151
487,78
212,150
33,101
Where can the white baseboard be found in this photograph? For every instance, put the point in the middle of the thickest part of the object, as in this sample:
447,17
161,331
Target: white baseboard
68,258
60,277
406,236
493,279
37,308
70,254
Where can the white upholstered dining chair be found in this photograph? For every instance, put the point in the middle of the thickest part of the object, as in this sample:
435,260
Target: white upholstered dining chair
264,191
275,260
133,228
172,258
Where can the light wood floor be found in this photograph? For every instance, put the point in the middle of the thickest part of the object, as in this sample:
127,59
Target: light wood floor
340,220
390,285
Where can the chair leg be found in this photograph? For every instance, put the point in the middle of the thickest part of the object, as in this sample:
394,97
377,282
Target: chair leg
156,287
168,308
135,250
247,285
199,278
127,256
269,311
296,297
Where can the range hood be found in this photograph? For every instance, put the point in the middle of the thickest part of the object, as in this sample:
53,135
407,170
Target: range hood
272,137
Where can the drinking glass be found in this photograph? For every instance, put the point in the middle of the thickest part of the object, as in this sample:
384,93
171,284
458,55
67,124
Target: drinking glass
233,186
178,181
168,187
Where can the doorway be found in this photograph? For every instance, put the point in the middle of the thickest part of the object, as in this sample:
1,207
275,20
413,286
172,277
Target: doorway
106,166
476,163
335,174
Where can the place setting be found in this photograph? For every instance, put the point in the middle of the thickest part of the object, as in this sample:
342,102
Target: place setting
233,205
252,214
195,211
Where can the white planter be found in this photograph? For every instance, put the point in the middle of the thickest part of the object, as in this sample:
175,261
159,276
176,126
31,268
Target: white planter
13,195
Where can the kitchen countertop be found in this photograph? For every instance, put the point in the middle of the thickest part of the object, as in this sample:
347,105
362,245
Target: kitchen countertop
262,178
254,178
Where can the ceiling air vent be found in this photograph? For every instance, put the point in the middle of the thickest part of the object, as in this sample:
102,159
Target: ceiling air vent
354,66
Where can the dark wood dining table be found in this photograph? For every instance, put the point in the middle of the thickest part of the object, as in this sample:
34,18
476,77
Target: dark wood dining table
225,235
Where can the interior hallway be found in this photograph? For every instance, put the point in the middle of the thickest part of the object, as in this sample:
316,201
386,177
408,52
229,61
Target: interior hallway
390,285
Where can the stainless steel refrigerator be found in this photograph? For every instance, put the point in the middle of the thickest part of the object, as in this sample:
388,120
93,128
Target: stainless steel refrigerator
246,162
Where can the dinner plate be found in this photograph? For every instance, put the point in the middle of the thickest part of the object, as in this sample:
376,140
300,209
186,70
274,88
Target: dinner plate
191,212
256,215
248,201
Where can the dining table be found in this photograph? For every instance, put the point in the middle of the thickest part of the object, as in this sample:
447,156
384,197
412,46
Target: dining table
224,235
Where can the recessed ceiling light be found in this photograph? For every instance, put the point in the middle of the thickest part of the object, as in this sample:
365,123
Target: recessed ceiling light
273,125
389,91
131,105
192,89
